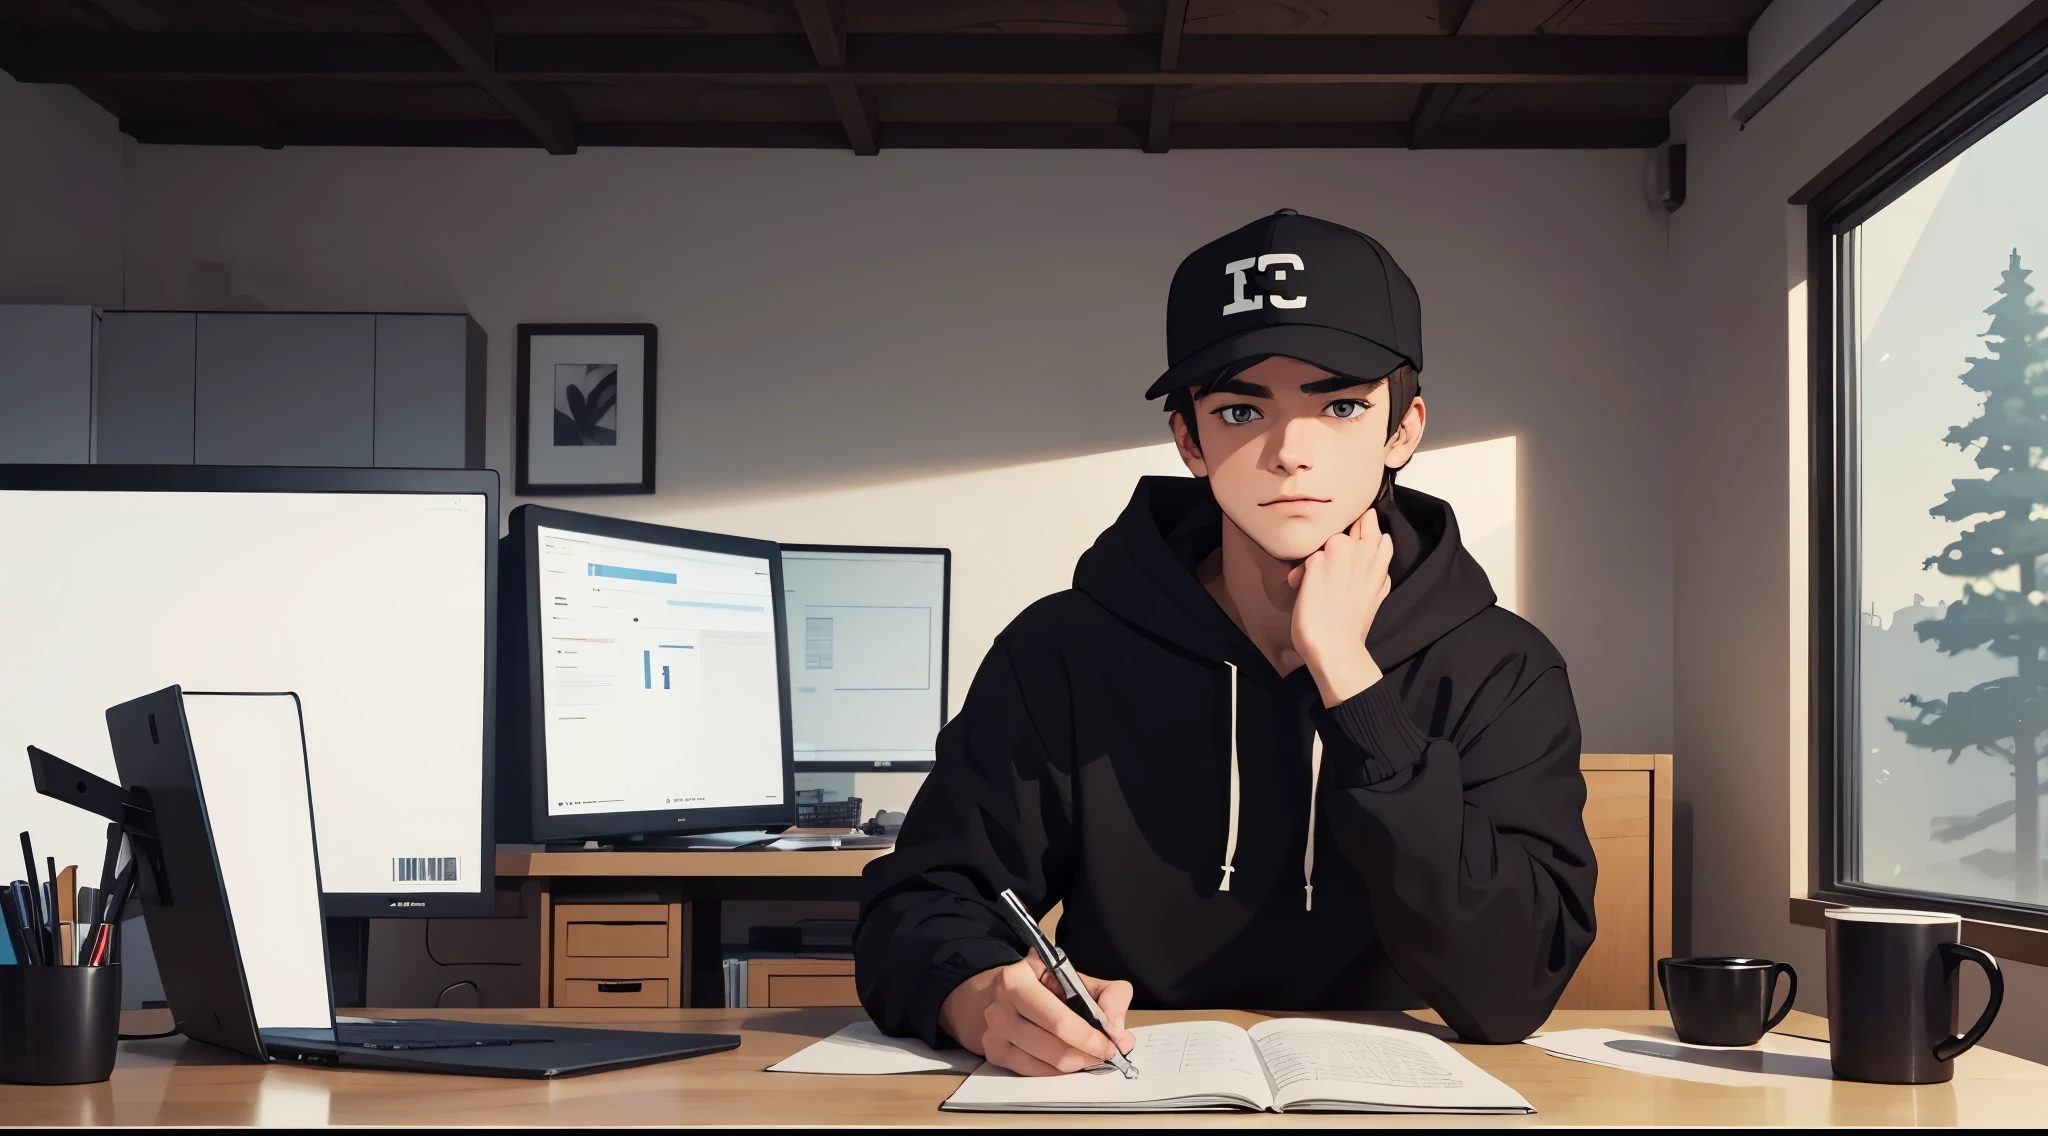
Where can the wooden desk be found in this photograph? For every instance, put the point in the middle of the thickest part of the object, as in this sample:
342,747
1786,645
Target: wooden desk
692,885
690,865
180,1082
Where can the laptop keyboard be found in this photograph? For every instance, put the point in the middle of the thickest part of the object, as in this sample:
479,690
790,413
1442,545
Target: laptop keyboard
427,1035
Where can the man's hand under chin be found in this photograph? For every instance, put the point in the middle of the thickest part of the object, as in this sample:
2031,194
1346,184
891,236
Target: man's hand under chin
1340,587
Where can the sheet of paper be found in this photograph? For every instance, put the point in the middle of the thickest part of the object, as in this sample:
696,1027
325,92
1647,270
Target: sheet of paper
1325,1064
1180,1065
1657,1051
862,1048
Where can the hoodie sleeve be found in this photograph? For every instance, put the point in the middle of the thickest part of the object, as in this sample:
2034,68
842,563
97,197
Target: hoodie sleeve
1478,863
993,814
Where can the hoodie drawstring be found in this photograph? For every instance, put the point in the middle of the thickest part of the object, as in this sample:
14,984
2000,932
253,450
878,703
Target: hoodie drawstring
1315,779
1308,855
1230,840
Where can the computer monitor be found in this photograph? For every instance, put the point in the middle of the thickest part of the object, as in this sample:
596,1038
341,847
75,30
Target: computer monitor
867,650
368,593
654,698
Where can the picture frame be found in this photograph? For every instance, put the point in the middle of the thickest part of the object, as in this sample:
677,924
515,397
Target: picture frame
584,409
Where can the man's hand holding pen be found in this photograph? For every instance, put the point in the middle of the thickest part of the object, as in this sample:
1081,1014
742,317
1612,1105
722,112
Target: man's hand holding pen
1016,1017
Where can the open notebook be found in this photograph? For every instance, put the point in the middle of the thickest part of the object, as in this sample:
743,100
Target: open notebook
1283,1065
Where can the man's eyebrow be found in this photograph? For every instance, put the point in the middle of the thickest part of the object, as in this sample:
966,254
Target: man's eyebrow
1239,386
1337,383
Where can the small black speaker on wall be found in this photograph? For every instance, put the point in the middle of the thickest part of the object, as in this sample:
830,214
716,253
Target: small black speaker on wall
1667,176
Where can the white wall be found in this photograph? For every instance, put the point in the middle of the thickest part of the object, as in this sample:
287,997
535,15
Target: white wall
951,347
1737,359
60,197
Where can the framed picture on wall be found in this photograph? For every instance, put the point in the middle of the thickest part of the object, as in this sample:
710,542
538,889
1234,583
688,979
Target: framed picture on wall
585,417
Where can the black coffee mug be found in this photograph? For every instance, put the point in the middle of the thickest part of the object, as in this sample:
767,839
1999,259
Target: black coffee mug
1892,994
59,1024
1724,1001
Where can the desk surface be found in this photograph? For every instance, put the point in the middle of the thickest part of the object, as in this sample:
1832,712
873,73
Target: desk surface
723,865
174,1081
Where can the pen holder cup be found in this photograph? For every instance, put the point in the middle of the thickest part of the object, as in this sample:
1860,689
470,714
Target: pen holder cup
59,1024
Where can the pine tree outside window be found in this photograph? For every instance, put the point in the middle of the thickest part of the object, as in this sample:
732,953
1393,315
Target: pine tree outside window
1932,640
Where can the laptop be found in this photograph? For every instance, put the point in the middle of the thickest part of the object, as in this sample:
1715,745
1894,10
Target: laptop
230,891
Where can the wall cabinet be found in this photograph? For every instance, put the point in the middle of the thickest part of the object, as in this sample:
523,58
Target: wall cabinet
46,387
145,386
241,388
284,389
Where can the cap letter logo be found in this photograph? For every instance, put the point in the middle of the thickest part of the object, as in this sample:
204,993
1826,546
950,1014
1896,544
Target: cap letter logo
1236,269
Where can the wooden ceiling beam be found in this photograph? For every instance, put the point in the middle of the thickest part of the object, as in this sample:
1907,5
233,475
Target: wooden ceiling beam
36,55
1430,105
824,24
1542,134
463,29
132,15
1159,127
1436,98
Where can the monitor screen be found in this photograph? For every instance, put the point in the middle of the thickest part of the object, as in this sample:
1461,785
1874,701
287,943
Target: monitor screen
867,651
364,592
658,702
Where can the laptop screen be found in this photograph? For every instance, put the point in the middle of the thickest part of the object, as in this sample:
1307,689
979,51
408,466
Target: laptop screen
251,756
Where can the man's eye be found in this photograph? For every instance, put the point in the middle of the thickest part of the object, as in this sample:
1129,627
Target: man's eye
1345,408
1239,415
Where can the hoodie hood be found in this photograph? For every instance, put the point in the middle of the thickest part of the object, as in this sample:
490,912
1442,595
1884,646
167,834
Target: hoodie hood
1142,570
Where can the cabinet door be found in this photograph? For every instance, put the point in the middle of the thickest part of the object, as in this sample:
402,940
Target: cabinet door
45,383
429,392
285,389
143,414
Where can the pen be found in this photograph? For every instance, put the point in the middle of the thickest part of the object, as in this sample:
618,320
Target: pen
117,903
50,952
34,899
52,907
108,865
1056,961
17,926
25,914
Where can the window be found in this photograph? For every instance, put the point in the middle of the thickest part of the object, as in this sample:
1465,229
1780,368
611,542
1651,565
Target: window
1930,263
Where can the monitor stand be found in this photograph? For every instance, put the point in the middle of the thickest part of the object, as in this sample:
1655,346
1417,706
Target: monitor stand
696,842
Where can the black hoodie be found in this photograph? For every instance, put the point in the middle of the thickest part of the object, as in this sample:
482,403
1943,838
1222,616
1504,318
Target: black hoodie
1126,750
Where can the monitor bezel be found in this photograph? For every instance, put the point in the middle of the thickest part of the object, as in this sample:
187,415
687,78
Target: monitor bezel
526,523
391,903
945,556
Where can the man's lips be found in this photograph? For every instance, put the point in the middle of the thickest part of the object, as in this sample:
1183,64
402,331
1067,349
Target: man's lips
1295,500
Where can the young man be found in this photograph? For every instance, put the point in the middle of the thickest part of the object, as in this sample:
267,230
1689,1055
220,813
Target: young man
1277,748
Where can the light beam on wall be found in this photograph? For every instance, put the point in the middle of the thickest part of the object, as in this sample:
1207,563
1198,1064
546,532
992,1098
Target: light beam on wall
1478,479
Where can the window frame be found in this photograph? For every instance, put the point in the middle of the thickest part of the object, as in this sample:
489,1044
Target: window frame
1973,106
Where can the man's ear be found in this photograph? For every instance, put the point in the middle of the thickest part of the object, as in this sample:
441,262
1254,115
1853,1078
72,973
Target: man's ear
1190,450
1408,435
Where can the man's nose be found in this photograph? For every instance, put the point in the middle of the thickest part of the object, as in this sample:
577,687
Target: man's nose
1294,445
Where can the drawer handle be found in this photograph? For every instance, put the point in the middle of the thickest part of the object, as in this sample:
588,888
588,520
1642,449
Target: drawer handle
618,988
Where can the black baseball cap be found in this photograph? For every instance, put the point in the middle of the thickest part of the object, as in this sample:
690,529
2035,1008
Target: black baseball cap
1290,285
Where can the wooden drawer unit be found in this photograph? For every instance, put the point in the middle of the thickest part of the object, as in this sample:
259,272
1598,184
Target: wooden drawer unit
617,940
615,992
619,954
800,982
1628,819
